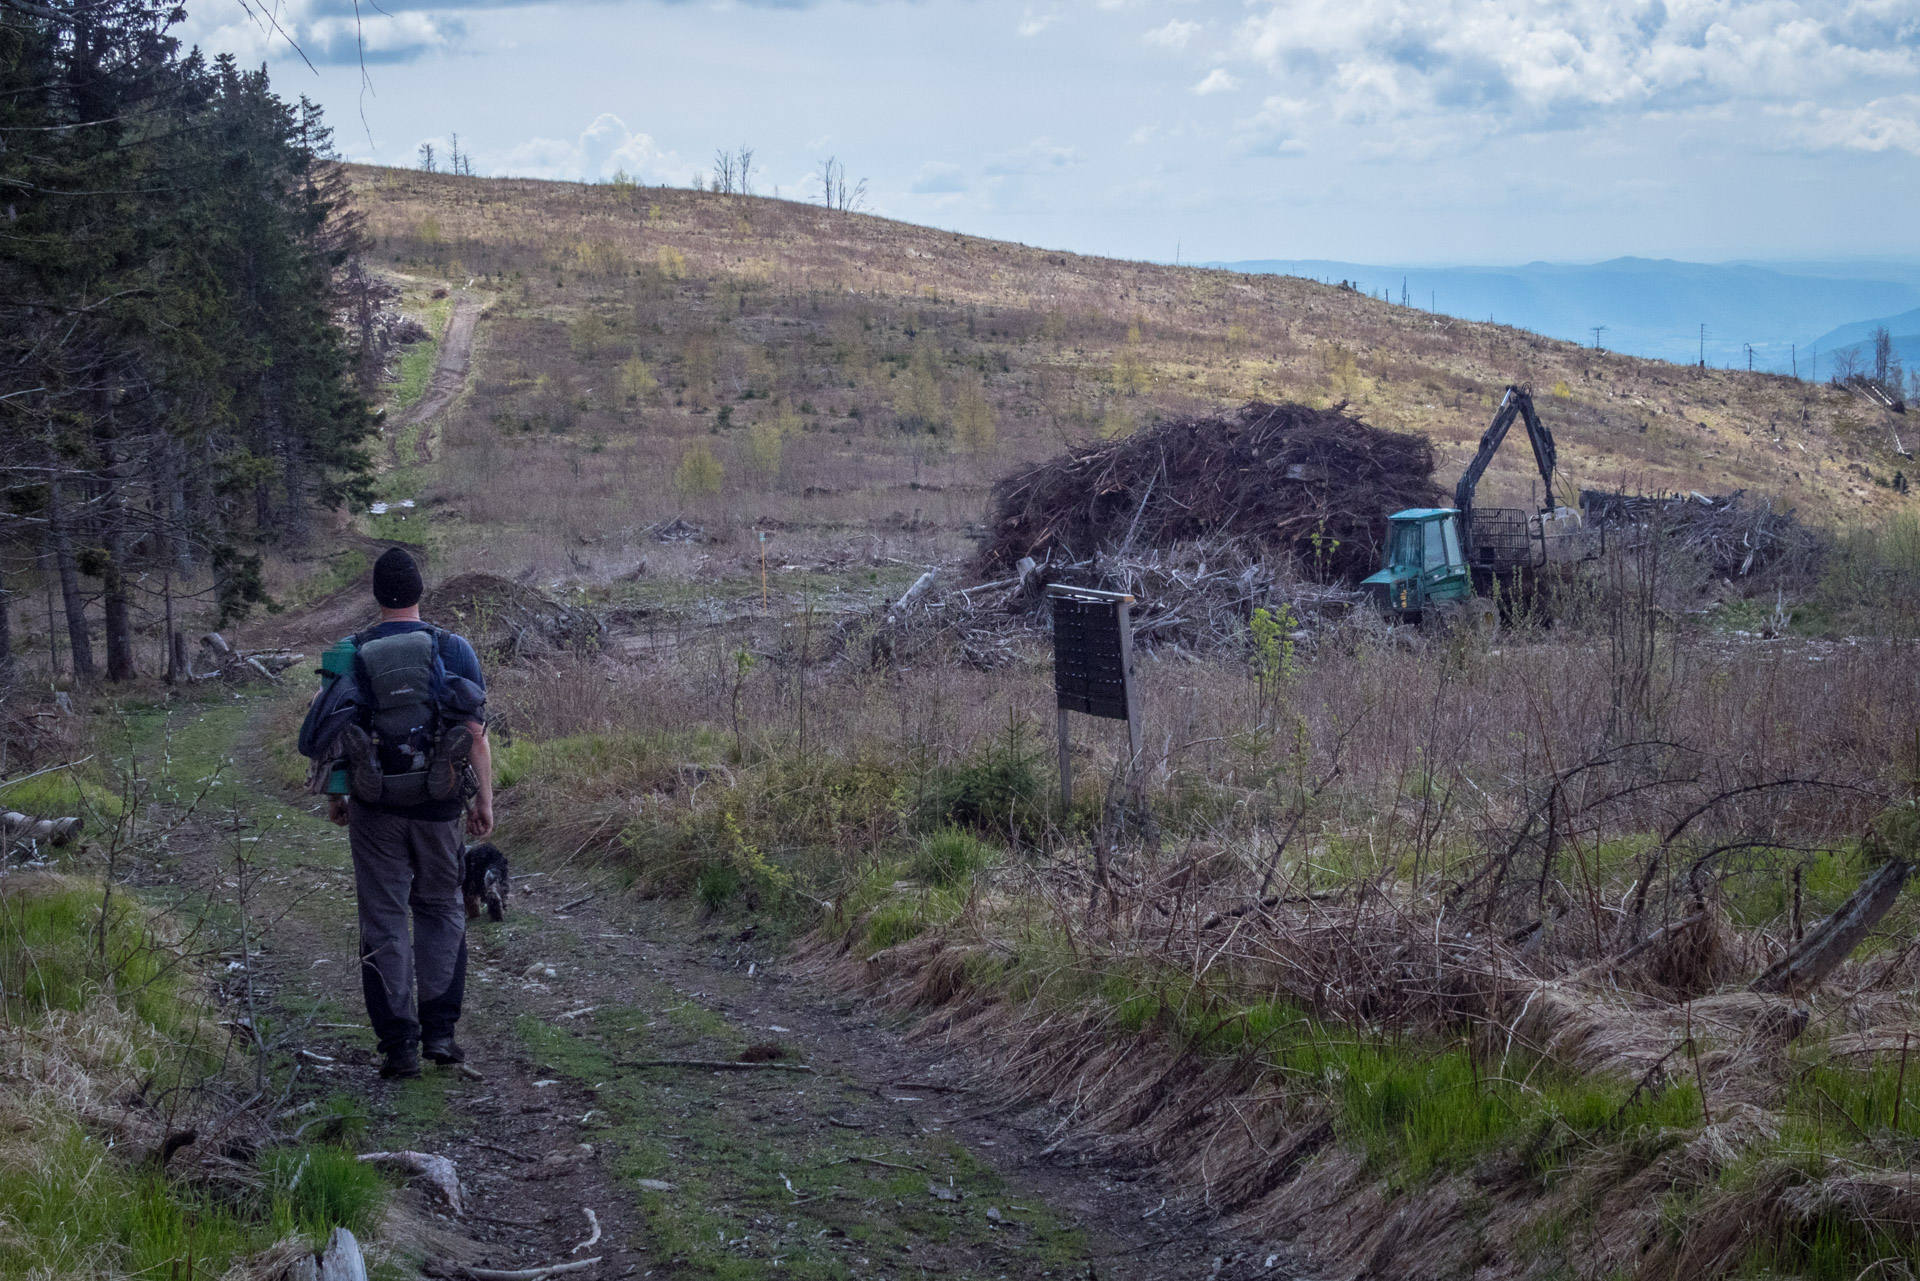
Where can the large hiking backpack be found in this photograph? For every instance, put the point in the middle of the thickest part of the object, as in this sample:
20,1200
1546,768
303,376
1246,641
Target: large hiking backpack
401,681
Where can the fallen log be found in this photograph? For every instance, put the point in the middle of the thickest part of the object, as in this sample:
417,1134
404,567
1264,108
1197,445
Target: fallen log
437,1172
1808,962
921,586
15,826
527,1274
341,1261
718,1065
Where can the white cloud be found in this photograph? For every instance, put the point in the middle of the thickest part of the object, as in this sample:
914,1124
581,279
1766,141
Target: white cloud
938,178
1882,125
1275,130
1500,65
327,32
604,148
1037,156
1217,81
1032,23
1174,35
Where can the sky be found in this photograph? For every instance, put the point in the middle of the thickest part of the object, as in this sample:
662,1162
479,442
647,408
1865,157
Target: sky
1423,131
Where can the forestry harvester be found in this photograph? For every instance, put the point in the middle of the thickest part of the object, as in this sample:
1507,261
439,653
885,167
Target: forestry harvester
1444,562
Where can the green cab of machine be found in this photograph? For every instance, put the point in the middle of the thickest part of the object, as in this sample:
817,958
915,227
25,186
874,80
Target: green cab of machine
1425,569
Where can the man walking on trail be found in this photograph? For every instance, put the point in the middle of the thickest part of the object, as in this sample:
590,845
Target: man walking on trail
417,757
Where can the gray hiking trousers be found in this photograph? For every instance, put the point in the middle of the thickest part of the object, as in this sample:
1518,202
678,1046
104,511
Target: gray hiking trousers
409,867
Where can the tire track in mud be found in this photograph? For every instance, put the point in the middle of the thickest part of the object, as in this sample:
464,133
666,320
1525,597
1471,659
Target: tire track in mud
451,362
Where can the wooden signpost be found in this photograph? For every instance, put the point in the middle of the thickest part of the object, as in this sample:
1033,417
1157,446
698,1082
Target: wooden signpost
1092,667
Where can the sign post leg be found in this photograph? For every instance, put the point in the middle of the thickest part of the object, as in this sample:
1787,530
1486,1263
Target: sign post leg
1133,700
1066,764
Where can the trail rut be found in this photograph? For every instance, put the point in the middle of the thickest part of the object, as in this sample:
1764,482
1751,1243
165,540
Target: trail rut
449,374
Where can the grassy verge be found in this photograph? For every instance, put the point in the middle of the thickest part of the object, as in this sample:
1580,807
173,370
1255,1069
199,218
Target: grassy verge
102,1008
876,851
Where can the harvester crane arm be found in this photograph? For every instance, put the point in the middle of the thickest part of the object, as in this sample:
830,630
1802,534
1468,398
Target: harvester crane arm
1517,403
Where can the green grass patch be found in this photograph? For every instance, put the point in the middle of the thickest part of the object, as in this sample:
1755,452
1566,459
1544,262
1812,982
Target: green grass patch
731,1144
64,943
75,1203
951,857
59,794
417,362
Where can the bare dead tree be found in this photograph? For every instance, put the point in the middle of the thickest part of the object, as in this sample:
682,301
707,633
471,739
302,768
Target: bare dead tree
743,166
1846,363
428,162
835,193
725,175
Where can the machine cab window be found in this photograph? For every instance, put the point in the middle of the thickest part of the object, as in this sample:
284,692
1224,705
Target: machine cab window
1406,545
1434,554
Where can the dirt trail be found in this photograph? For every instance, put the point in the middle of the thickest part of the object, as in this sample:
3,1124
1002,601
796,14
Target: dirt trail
449,372
888,1159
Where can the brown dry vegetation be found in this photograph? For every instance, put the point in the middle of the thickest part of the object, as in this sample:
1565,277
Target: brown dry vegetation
847,372
1429,956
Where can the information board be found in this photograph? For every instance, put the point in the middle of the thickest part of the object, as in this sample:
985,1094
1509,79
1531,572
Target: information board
1089,660
1092,666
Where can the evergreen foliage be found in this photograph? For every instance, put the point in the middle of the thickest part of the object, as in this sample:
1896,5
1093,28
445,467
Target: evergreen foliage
176,254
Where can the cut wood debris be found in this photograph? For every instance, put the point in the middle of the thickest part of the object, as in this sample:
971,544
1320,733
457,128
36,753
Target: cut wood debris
437,1172
1735,536
1314,484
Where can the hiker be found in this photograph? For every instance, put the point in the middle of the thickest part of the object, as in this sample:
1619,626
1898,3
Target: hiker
411,731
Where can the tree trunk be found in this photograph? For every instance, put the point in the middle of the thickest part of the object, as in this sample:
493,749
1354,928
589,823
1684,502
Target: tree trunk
1807,964
6,632
79,644
170,503
294,476
119,619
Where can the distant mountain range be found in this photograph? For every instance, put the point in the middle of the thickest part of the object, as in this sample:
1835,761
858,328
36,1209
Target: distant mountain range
1790,313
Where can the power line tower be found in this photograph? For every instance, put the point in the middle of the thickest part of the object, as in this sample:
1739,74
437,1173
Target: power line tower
1596,331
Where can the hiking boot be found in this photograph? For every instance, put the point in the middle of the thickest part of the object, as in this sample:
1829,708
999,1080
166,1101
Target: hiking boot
401,1064
364,779
448,769
443,1050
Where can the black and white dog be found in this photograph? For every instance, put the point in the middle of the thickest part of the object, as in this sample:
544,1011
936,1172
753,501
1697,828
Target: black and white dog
487,881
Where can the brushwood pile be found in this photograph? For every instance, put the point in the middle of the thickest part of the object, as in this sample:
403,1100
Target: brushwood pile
1313,484
1733,535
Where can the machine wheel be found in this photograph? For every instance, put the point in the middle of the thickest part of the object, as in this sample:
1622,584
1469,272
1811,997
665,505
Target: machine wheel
1474,616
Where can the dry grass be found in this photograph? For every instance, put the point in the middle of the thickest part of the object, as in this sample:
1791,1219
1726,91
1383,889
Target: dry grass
825,359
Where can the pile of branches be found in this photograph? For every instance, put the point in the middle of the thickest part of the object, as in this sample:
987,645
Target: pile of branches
219,660
504,620
1313,484
1733,535
1196,595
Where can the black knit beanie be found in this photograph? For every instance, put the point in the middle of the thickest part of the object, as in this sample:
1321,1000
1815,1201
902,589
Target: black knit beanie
396,580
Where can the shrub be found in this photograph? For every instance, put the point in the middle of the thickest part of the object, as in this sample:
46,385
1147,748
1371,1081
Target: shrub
997,790
699,471
950,856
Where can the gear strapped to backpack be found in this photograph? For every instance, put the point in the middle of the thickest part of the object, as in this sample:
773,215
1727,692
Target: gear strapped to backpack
389,723
402,683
